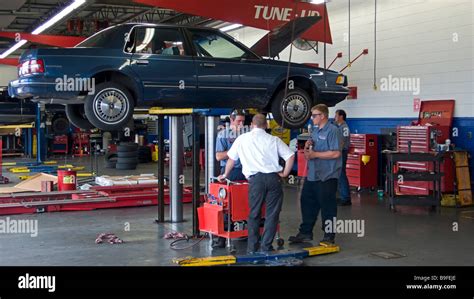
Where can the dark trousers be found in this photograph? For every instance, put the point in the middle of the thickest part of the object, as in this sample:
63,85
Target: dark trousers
343,183
235,174
317,196
264,188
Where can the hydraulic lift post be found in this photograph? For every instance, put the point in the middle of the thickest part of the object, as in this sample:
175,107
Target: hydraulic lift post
211,169
40,134
196,174
161,168
176,179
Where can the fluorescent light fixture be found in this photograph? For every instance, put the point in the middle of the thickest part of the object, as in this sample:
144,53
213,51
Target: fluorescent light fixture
230,27
318,1
56,18
59,16
13,48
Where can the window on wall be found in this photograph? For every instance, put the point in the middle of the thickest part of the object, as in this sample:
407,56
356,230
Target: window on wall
213,44
159,41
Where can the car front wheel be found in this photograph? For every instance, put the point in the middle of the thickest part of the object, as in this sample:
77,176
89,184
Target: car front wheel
292,111
110,108
76,116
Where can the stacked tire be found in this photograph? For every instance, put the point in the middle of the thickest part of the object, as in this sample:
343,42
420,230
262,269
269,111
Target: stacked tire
127,156
111,160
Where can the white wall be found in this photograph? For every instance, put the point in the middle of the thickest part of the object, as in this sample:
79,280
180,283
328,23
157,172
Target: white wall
414,39
7,73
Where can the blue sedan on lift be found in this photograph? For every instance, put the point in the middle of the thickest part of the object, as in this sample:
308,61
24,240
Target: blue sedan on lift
128,66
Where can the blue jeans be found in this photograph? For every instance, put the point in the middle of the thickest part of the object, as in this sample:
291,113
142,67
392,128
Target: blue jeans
318,196
343,182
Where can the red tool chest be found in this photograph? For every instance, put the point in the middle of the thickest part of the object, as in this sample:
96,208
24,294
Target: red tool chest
362,161
434,126
60,144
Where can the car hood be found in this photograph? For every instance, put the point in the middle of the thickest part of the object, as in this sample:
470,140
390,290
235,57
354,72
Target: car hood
269,61
282,36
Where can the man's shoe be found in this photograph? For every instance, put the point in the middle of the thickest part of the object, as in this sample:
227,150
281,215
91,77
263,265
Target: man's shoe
344,203
300,238
327,241
267,251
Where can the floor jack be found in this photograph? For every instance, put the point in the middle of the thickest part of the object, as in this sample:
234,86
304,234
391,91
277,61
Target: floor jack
225,212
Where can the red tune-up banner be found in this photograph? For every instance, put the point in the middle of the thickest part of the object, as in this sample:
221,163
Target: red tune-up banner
44,39
263,14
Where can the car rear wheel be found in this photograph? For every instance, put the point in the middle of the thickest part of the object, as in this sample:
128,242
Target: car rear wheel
292,111
76,115
110,108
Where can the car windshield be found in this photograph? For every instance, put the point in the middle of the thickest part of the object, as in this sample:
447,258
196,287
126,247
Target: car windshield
211,44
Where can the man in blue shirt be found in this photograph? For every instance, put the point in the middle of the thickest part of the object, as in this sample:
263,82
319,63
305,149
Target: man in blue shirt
323,153
343,184
224,141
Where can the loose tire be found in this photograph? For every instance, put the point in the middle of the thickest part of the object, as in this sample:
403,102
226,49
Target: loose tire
111,163
60,125
292,111
127,160
127,147
110,108
127,154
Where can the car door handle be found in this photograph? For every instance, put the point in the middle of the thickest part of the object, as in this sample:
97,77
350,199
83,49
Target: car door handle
142,61
208,65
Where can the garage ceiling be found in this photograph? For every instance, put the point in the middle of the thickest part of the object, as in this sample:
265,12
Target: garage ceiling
26,15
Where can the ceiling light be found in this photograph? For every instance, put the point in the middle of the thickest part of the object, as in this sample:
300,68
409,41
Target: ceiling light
317,1
13,48
59,16
230,27
67,10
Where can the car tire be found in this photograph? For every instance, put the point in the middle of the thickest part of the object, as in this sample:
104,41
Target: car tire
126,166
133,154
60,125
76,115
110,108
292,111
127,147
110,156
128,160
111,163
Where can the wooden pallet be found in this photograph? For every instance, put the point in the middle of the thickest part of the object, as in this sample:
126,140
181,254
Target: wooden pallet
463,178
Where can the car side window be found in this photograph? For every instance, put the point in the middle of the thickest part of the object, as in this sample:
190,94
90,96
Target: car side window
159,41
212,44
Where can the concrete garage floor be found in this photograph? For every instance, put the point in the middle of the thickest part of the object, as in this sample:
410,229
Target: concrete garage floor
67,238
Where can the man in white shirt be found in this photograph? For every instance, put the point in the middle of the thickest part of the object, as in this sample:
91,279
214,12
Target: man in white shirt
259,154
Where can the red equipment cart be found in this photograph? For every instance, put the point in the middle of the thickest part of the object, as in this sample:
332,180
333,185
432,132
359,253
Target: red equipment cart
225,213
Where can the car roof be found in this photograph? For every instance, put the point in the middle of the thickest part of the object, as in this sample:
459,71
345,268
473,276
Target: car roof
130,25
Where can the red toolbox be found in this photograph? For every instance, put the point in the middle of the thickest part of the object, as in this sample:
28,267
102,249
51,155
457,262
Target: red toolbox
434,126
60,144
362,161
